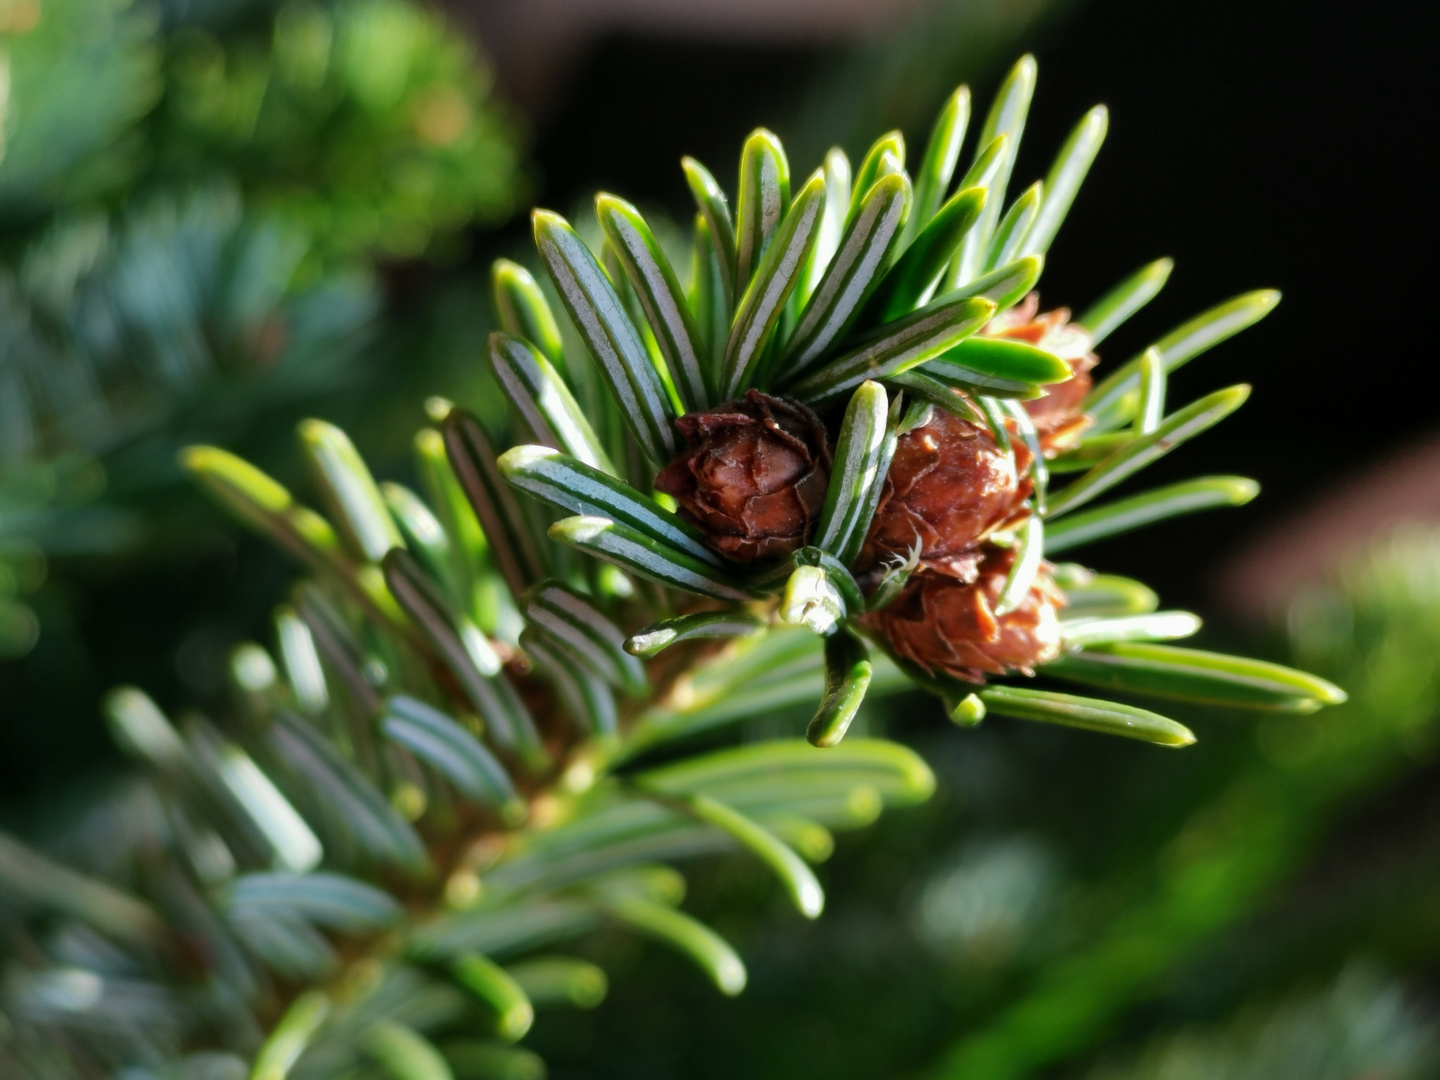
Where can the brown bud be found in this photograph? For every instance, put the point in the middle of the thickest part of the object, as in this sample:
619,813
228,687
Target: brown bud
949,627
753,475
949,486
1058,416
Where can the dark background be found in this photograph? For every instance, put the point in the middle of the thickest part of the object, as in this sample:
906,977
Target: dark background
1272,144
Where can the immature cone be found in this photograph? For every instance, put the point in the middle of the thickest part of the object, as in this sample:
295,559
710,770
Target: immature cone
753,475
1058,416
949,487
949,627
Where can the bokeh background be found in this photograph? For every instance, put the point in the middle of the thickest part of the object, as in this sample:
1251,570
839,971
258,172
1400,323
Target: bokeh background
220,216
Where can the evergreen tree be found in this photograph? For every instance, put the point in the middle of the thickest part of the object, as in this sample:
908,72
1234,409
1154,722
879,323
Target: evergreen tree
498,708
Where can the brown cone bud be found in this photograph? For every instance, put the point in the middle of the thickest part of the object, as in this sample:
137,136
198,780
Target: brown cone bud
948,627
753,475
949,486
1058,416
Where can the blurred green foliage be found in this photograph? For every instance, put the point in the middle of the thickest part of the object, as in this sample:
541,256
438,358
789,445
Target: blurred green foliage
369,123
1361,1026
114,325
193,205
126,335
81,76
369,120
